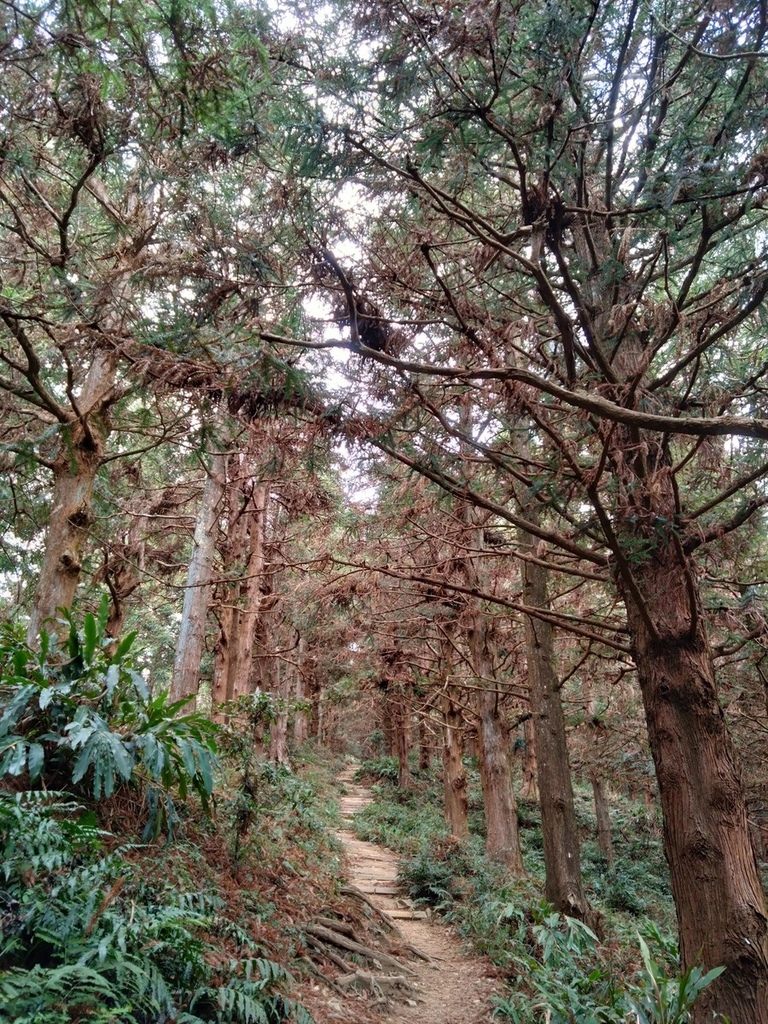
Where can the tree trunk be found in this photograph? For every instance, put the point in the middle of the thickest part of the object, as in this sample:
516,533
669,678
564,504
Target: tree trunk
71,515
495,754
425,750
529,791
603,816
454,773
239,682
715,879
502,841
191,642
562,860
240,602
401,721
278,731
301,718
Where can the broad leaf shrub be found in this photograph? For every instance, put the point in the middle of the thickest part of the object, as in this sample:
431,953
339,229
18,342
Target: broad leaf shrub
79,715
84,938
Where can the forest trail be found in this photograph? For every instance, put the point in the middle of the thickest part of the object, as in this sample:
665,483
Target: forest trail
450,987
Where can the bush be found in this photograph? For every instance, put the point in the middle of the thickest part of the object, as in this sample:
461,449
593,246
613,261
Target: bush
82,719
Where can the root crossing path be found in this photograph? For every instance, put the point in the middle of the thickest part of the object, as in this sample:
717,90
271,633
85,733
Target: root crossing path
447,985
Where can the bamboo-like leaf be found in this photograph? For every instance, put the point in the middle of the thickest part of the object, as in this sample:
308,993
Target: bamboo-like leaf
90,633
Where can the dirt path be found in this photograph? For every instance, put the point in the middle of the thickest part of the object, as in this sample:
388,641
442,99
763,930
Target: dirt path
453,988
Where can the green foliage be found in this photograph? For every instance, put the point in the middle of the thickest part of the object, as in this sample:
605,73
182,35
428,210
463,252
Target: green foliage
84,937
566,976
433,876
379,768
80,717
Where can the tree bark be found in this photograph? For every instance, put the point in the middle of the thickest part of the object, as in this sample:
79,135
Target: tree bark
562,859
74,473
247,613
301,693
495,754
191,642
529,791
401,721
502,834
278,730
454,773
603,816
715,879
241,602
425,750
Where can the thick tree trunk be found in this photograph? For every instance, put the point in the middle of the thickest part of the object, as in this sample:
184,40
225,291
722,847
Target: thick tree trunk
715,880
191,642
562,859
454,773
240,603
71,515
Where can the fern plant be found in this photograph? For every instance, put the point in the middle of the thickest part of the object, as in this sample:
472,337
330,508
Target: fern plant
84,938
80,716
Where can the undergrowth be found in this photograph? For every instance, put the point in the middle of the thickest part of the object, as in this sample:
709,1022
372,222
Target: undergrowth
144,864
558,969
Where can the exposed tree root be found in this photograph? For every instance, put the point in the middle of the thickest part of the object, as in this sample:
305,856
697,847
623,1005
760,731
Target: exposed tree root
358,894
381,986
328,935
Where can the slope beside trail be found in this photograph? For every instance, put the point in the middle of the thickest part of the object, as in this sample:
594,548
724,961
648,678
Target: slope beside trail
451,987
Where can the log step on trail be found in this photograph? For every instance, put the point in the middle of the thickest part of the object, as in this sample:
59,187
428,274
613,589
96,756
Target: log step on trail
425,976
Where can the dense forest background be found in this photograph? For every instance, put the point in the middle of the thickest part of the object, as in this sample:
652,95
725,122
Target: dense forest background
397,373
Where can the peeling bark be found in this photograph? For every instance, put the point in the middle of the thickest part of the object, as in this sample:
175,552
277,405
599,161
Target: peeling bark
74,474
191,642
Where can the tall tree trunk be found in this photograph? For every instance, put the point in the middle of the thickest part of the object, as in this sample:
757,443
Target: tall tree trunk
425,748
719,899
562,859
502,841
603,816
401,721
74,473
301,693
454,773
241,602
249,600
278,731
191,642
715,879
529,791
495,751
598,731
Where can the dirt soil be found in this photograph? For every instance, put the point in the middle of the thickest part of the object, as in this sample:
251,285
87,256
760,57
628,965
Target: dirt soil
450,987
